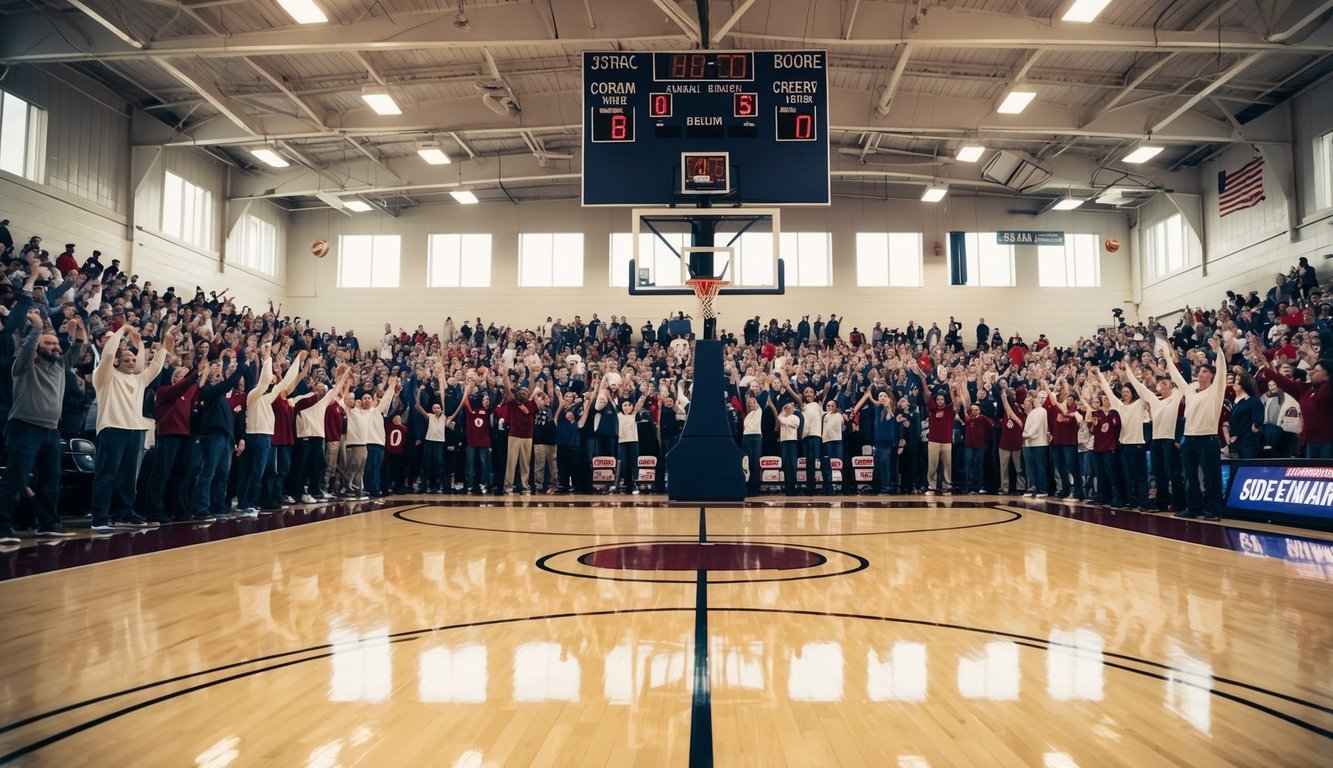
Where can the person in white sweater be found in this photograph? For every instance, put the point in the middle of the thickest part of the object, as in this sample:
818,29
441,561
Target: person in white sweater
1164,409
365,428
121,425
1132,410
1036,445
309,462
259,427
1201,451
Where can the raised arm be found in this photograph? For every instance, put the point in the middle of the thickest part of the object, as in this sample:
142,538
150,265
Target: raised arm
1173,370
261,384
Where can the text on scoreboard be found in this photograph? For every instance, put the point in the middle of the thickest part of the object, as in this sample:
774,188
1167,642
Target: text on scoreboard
766,112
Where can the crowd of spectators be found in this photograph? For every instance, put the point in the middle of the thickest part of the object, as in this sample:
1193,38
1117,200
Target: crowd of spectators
202,408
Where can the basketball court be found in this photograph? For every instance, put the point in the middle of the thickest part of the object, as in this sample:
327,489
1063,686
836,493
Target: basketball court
597,633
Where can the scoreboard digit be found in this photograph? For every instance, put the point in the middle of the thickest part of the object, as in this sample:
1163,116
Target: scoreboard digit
645,113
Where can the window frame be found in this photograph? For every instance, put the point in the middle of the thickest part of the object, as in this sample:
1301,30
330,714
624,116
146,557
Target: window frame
974,242
193,221
464,255
529,258
1076,245
250,252
1157,264
1323,160
344,264
33,143
868,272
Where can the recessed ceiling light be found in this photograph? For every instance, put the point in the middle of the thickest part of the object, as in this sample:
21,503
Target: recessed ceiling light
430,152
303,11
1085,10
934,194
380,101
356,205
269,157
464,196
1068,204
970,153
1015,102
1143,154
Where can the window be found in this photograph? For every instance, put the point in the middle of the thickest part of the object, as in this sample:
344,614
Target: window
22,138
256,246
988,263
808,257
458,261
1323,171
187,211
1169,247
1076,264
550,260
888,259
368,261
662,265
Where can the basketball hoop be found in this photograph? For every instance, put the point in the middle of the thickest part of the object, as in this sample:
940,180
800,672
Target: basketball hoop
706,289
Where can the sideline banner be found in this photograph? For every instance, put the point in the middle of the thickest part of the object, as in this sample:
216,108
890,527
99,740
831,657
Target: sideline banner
1299,490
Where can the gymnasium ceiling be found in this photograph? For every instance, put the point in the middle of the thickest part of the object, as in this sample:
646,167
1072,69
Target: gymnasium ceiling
911,82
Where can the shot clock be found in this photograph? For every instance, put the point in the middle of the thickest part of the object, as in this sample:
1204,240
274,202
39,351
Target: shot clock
749,126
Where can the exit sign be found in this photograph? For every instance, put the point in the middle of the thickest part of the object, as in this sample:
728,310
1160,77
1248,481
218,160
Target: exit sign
1024,237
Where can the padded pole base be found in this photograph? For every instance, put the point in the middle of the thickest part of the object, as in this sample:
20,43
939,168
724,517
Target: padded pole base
705,465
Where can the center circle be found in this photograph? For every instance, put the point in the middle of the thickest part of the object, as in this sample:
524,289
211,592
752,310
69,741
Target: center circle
697,556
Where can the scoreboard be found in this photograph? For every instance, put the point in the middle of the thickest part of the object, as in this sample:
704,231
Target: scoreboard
747,126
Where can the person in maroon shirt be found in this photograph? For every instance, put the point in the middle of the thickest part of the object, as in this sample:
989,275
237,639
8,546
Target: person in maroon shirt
1316,399
335,455
171,409
941,412
1011,441
478,434
273,494
1104,424
395,442
518,411
66,262
976,428
1062,416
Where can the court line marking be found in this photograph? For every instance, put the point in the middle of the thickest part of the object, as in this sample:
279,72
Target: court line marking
1015,516
861,565
701,705
1033,642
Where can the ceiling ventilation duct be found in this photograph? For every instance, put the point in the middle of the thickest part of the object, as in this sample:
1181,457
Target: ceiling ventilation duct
1017,171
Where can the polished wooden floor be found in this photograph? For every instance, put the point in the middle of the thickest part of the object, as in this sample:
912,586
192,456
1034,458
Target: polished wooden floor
973,634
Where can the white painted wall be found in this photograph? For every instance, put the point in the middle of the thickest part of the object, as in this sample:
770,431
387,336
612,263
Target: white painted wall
1246,249
169,262
1062,313
84,197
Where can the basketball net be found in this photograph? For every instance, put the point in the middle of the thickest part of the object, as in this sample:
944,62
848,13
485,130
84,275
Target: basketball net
706,289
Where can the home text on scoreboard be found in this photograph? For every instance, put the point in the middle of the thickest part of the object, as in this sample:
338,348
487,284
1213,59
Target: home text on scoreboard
765,111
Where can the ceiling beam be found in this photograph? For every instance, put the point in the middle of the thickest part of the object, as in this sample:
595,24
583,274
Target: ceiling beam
233,111
731,22
278,81
886,98
883,24
122,34
1218,82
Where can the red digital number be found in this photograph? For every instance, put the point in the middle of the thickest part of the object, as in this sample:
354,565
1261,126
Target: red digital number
661,105
805,126
620,127
745,106
732,66
678,64
717,167
697,67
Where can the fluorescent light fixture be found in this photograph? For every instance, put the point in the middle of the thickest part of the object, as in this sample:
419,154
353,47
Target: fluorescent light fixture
1143,154
359,206
464,196
380,101
269,157
303,11
430,152
934,194
970,153
1015,102
1067,204
1085,10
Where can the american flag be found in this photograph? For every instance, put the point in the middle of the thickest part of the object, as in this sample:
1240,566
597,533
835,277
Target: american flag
1240,189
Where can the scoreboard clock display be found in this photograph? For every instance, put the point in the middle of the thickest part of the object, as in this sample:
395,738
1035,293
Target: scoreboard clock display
649,118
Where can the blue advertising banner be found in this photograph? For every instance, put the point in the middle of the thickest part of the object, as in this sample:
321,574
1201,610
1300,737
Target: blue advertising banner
1310,558
1303,491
